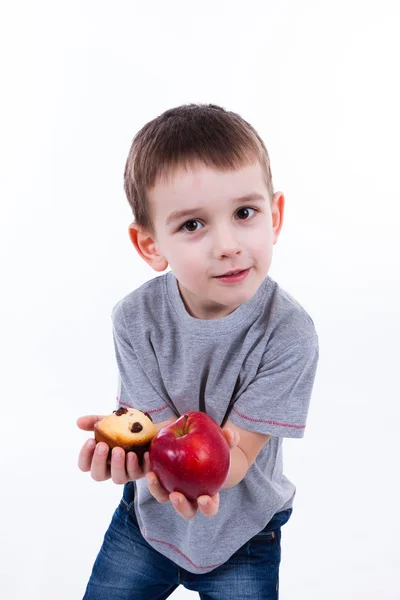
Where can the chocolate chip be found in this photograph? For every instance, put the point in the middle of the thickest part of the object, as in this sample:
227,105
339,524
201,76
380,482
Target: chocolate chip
120,411
147,415
136,427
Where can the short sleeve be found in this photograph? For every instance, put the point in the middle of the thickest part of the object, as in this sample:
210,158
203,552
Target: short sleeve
276,402
134,388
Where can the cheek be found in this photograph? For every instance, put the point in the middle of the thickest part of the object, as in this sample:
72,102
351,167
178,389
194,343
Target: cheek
189,262
260,242
263,250
192,263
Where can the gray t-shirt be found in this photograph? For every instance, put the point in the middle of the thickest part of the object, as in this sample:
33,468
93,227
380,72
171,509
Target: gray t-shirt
256,365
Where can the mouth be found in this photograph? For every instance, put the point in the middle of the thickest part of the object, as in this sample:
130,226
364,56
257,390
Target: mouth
231,273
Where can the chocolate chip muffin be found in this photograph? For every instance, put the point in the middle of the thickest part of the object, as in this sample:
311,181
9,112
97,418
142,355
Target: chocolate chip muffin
127,428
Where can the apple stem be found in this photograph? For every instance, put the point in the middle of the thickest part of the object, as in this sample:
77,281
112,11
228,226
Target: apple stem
185,424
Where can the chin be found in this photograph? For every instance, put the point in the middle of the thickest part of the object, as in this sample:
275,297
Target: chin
234,299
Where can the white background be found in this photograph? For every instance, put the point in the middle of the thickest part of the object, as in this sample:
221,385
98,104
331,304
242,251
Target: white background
320,82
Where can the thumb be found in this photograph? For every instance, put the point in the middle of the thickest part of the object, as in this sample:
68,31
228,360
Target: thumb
87,422
232,437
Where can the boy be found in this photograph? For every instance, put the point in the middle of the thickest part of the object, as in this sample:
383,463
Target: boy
216,334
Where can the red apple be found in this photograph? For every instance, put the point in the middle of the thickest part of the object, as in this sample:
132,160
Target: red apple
191,456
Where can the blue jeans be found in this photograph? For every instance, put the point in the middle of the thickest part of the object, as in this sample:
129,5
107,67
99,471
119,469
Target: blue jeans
128,568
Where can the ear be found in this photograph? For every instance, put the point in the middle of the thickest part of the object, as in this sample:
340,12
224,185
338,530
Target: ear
278,209
146,247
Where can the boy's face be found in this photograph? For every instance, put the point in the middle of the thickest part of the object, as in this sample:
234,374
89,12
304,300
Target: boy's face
228,224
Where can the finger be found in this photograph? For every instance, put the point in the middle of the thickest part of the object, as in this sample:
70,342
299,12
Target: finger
118,470
208,505
228,435
146,463
133,469
232,437
100,470
156,488
87,422
183,506
86,455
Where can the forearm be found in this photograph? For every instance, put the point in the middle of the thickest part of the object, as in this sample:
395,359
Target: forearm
238,469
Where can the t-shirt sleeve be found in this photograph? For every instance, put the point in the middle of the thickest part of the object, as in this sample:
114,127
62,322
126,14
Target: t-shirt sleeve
276,402
134,388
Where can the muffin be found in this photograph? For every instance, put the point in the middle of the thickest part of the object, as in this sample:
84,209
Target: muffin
127,428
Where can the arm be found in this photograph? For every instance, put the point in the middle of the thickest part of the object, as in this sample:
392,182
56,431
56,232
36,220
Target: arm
244,450
243,455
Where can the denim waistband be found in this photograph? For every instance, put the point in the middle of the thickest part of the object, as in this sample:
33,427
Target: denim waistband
128,500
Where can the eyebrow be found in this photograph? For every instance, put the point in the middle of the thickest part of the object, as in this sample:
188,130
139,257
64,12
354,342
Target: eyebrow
177,215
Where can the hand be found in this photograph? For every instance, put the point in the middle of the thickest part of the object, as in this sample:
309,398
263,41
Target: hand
122,467
187,509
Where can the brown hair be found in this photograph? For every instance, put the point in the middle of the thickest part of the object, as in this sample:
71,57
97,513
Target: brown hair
179,137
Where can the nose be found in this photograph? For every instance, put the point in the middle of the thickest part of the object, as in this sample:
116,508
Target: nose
226,243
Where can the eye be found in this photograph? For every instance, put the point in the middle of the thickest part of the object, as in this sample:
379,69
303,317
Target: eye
190,226
244,212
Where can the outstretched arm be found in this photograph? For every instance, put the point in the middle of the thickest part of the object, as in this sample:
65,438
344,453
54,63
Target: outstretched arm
245,446
123,467
243,455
